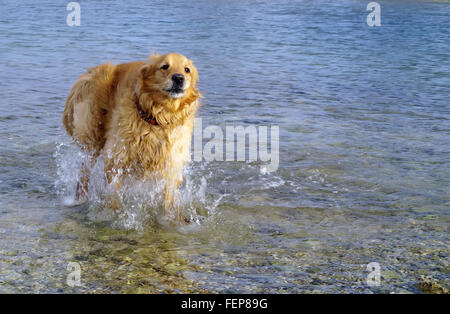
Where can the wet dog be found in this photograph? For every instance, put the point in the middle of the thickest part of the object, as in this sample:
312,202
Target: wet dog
139,116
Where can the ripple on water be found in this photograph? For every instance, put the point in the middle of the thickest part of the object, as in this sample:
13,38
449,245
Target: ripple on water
364,170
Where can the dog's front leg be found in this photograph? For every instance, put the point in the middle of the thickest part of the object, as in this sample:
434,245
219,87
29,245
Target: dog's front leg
114,198
83,180
82,184
171,200
114,182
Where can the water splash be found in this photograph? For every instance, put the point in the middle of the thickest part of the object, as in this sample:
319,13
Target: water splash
141,201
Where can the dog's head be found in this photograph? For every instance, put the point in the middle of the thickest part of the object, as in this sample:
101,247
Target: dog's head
170,77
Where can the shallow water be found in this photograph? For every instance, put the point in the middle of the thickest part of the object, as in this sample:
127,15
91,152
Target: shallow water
364,149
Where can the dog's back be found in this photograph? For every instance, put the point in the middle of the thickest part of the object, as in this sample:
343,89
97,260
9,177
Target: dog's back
88,106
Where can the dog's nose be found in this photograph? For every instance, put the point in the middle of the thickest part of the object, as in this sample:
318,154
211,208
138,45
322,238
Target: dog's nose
178,78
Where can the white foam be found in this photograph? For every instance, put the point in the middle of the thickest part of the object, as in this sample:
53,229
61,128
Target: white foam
142,202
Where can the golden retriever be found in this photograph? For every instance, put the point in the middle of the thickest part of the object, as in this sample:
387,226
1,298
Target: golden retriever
139,116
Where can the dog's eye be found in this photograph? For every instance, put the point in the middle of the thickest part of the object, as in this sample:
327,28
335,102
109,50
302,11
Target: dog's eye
165,67
187,70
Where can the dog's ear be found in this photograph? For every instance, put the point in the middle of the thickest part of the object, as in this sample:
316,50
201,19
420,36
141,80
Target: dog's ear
148,68
194,81
194,76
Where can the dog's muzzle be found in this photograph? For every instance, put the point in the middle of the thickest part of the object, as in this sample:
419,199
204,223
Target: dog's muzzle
177,89
178,79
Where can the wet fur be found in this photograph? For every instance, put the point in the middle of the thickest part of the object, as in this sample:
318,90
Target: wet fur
101,116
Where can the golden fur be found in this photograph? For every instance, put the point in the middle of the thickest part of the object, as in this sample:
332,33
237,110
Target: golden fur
101,114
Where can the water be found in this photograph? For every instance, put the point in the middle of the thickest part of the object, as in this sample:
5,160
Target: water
364,149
